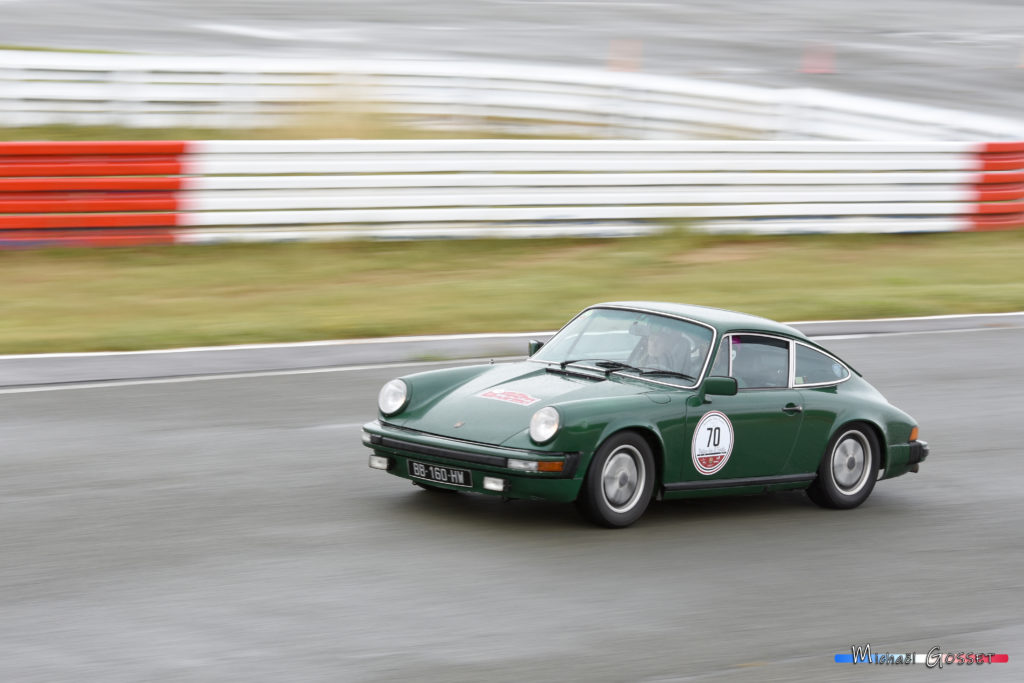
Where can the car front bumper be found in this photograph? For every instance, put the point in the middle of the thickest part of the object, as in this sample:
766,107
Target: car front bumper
401,446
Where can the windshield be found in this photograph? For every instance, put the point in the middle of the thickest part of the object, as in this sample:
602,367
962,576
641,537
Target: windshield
661,348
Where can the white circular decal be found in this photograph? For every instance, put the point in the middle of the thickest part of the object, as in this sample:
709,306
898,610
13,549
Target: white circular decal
712,442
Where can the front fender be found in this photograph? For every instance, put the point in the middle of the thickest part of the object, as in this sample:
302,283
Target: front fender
587,424
426,388
622,424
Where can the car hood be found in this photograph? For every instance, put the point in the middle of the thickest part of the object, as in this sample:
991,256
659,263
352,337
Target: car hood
498,403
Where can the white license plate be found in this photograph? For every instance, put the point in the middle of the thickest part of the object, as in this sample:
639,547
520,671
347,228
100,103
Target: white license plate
440,474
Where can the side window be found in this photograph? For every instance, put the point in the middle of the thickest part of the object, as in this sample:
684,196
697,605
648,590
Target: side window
760,362
813,367
721,366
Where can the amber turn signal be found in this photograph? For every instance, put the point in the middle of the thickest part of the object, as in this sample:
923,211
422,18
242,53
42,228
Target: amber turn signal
913,434
550,466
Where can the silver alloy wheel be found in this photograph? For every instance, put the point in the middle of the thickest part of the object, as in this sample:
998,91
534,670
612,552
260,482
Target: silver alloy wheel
851,462
623,478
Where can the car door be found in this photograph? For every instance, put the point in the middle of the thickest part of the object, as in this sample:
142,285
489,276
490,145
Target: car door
749,435
817,378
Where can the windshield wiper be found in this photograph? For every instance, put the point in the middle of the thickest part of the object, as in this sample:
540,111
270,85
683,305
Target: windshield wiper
613,365
560,368
610,366
607,365
668,373
580,360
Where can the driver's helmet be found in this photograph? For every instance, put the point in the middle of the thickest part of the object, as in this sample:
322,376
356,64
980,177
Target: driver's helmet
672,343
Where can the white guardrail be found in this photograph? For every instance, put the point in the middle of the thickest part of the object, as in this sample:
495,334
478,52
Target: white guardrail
450,188
223,92
213,191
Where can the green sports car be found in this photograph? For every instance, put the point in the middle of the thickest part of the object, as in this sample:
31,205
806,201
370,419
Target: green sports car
636,400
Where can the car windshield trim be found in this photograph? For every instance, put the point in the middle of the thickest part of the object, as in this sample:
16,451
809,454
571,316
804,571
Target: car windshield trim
635,309
818,385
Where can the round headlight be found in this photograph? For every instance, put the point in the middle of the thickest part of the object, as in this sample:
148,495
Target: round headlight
392,397
544,425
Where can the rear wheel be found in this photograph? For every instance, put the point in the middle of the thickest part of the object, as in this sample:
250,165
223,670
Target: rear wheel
847,473
619,482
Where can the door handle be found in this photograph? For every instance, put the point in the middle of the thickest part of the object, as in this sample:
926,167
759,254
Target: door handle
793,409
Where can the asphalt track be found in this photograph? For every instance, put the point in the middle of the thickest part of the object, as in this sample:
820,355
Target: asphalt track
964,55
228,528
219,527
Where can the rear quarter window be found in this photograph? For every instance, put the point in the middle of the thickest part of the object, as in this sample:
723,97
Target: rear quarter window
814,367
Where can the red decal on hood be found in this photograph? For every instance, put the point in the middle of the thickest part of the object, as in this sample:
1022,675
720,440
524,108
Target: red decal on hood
516,397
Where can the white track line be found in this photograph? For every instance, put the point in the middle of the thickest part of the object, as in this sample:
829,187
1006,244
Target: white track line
871,335
955,316
36,388
382,366
442,337
288,345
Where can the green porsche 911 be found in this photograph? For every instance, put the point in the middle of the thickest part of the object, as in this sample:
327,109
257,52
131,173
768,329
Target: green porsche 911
635,400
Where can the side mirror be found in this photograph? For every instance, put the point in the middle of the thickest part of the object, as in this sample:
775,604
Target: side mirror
721,386
535,346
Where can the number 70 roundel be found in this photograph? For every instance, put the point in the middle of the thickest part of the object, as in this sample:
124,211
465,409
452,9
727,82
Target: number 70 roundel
712,442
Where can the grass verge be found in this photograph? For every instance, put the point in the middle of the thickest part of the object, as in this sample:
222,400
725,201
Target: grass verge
122,299
350,120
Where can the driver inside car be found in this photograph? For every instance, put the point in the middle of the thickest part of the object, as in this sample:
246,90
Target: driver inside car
663,348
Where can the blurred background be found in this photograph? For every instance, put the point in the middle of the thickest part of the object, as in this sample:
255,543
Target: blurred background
940,53
328,172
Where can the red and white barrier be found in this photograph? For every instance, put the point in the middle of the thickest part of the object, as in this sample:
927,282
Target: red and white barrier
166,192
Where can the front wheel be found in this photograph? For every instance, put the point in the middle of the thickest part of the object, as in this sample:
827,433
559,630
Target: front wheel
849,469
619,482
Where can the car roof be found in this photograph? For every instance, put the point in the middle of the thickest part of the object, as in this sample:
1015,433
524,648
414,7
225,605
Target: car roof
723,320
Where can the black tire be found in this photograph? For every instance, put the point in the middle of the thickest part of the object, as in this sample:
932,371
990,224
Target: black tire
619,482
848,469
